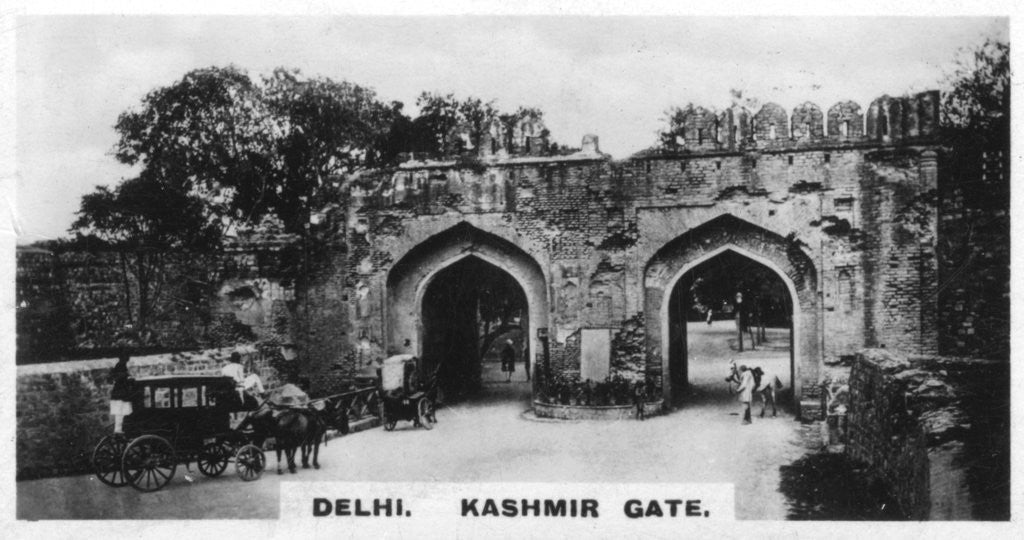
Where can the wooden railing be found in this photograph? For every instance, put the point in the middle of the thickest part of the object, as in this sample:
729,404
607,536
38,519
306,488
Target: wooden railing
361,404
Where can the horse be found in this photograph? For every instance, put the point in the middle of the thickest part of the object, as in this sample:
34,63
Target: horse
295,429
765,384
332,415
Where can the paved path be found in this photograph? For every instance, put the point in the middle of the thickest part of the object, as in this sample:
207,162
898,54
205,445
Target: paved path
490,440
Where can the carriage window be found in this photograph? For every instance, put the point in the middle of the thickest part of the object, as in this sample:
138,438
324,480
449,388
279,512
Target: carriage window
146,396
162,398
190,397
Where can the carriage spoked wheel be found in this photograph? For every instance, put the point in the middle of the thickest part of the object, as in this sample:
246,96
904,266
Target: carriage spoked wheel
390,423
250,462
106,460
425,410
149,463
213,458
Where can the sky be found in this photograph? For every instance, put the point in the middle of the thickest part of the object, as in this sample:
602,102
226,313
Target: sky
611,76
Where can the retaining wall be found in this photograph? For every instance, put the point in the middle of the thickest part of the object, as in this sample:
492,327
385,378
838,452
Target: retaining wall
936,430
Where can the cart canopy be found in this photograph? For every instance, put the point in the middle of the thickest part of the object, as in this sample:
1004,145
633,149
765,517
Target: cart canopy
392,373
289,395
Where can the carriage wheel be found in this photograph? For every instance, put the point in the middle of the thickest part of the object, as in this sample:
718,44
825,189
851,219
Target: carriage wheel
389,423
213,458
426,413
250,462
149,463
106,460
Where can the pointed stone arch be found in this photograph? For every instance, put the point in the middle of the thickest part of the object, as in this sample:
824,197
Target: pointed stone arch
785,256
409,277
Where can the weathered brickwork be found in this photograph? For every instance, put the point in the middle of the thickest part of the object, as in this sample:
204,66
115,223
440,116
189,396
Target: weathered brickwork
592,239
936,430
883,433
73,303
974,266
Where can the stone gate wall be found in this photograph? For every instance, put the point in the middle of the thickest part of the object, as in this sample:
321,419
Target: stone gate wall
834,192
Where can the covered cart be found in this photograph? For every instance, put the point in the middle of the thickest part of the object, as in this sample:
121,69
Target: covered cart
406,393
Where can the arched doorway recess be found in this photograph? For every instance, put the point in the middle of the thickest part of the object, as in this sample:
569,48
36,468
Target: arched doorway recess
439,275
785,257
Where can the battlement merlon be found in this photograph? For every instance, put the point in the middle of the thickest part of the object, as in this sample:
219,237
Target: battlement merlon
888,121
702,131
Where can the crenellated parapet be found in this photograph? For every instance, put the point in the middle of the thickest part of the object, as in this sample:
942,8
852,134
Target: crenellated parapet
888,120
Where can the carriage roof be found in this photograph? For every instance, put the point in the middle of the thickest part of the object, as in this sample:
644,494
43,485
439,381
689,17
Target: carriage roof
184,380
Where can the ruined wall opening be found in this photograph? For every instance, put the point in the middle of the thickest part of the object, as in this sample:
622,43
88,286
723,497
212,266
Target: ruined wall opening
705,307
472,313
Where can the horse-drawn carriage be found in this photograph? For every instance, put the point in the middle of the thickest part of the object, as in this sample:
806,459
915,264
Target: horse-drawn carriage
177,420
406,393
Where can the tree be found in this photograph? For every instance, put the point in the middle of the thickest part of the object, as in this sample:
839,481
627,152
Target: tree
974,194
323,130
253,149
144,219
976,109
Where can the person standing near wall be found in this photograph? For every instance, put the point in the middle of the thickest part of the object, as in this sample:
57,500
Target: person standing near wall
508,360
743,321
639,397
526,362
121,393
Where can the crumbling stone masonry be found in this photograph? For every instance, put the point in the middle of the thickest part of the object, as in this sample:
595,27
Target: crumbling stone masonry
815,196
935,430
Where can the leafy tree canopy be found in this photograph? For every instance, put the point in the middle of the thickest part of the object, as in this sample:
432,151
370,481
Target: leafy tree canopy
146,214
253,148
976,108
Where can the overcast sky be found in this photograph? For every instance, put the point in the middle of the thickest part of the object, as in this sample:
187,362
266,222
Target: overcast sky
614,77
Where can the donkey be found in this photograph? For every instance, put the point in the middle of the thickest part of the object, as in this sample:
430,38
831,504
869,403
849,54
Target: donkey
765,384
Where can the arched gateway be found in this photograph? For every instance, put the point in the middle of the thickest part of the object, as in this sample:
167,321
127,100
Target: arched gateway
724,234
458,257
599,249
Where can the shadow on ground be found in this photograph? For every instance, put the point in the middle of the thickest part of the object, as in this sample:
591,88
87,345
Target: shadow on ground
832,487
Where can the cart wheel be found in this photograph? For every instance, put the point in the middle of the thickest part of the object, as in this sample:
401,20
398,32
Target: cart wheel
106,460
250,462
426,413
389,424
213,458
149,463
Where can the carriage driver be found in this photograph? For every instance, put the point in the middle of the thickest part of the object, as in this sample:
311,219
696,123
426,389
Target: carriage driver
233,368
120,394
252,386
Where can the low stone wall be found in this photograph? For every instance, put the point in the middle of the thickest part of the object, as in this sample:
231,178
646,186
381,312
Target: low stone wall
63,407
936,430
582,412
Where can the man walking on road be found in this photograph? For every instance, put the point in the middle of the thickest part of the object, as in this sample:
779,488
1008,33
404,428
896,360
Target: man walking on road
746,391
